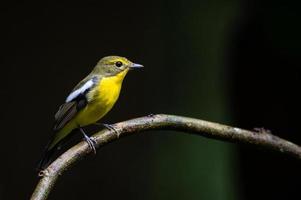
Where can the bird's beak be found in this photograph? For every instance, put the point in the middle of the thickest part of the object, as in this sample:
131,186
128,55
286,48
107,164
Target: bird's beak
135,65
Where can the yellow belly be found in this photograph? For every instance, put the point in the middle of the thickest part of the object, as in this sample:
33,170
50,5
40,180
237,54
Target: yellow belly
101,100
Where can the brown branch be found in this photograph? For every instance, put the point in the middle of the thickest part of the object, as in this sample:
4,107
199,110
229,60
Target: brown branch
163,122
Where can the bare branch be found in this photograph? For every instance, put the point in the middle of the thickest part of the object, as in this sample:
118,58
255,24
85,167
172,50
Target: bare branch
261,138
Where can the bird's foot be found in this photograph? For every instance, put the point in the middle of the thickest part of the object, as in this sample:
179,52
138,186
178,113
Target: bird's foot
109,127
91,141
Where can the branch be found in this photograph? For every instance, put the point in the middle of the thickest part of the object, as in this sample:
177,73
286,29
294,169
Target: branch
199,127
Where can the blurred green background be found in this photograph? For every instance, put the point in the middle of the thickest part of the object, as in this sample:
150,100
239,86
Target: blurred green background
233,62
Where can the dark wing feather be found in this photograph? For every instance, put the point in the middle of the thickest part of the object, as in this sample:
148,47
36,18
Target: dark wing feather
68,110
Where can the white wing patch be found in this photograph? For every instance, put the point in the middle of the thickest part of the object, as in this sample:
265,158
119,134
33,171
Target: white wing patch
80,90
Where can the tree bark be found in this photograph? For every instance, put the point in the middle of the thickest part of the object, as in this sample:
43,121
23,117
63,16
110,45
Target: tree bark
260,137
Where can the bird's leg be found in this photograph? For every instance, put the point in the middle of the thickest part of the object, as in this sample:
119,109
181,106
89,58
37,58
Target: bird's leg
91,142
109,127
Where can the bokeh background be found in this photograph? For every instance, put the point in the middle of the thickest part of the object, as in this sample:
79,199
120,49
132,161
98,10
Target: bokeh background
233,62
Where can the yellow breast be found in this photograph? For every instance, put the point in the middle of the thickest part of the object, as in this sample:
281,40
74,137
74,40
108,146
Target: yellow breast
101,99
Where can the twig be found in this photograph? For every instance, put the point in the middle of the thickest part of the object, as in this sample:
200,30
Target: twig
262,139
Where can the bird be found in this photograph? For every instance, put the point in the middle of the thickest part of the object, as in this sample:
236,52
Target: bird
89,101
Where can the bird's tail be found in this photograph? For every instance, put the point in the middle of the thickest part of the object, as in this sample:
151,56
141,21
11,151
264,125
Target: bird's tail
58,139
47,157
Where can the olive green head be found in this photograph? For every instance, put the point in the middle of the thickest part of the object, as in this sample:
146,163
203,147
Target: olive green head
112,65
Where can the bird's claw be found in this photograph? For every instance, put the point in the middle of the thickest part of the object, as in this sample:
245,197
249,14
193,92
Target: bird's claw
91,142
110,127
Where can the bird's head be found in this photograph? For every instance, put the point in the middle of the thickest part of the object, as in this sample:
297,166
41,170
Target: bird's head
113,65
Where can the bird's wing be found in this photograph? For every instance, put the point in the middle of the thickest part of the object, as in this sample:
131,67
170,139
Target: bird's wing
81,88
75,102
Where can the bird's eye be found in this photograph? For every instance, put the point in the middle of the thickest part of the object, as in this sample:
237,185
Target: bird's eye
118,64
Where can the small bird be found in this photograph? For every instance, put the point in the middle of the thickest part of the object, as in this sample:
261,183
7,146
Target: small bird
90,100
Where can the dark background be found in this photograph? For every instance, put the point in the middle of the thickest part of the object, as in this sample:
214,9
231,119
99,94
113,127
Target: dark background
233,62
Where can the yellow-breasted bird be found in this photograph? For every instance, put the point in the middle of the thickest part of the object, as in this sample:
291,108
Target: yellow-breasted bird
89,101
